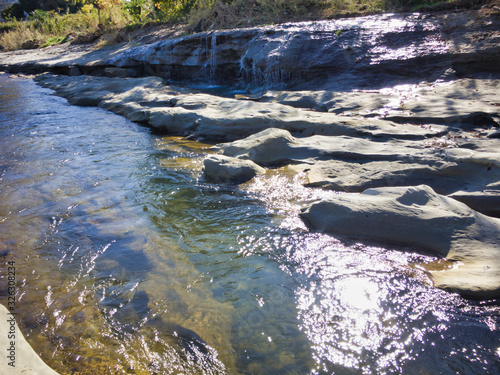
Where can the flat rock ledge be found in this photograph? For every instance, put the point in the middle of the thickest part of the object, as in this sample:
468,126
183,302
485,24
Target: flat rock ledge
418,218
470,173
181,111
25,359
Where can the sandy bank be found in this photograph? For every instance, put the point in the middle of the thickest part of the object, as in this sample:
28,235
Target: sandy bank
21,358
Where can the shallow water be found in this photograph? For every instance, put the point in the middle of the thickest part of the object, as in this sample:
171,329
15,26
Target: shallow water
129,263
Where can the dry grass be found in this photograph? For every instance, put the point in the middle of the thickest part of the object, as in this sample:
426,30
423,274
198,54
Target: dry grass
223,14
211,14
47,27
15,39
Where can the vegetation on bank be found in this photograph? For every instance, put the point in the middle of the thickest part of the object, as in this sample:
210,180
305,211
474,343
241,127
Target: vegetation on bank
39,23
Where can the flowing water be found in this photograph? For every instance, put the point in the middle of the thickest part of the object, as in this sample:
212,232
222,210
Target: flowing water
127,262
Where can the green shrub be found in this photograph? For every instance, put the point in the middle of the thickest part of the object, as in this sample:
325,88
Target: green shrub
138,9
47,27
13,12
55,40
173,10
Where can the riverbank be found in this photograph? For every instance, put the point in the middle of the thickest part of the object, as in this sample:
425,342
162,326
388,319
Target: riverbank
346,153
412,165
19,358
377,102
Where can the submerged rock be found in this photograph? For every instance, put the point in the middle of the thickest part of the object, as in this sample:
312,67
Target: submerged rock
419,218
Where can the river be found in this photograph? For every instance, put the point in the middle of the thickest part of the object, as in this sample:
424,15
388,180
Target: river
128,262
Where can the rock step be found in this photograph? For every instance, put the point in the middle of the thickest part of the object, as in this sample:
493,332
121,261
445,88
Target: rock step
418,218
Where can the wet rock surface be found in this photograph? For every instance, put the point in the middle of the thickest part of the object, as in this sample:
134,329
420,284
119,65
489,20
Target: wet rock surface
223,169
420,218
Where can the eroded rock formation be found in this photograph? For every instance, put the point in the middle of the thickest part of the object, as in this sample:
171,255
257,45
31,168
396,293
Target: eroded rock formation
420,219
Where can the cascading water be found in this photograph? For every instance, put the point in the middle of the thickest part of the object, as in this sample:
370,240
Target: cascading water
210,59
262,64
213,58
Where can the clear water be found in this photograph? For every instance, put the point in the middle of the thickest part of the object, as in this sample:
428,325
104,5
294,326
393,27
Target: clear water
129,263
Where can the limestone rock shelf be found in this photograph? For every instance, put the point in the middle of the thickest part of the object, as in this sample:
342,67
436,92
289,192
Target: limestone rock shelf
420,219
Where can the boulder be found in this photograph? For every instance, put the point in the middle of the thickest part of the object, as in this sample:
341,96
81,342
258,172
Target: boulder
270,146
421,220
224,169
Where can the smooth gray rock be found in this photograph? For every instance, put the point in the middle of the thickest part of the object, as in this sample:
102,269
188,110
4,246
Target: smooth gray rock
345,53
418,218
120,72
270,146
182,111
223,169
467,103
354,164
278,146
466,179
485,201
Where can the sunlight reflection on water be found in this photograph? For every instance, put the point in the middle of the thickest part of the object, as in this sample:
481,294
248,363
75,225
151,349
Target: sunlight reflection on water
362,307
129,258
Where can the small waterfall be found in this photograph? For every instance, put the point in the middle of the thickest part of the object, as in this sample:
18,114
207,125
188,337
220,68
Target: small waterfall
262,65
210,65
209,56
213,58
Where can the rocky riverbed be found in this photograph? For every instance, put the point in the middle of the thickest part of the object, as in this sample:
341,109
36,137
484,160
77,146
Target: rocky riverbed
399,112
